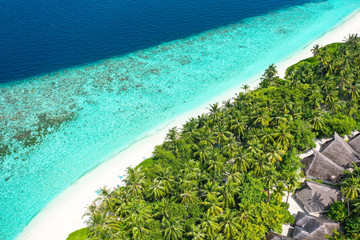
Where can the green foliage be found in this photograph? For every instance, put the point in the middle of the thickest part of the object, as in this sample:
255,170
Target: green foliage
303,135
338,211
146,163
339,123
81,234
348,212
319,181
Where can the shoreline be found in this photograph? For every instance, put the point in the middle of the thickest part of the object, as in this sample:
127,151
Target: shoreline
63,214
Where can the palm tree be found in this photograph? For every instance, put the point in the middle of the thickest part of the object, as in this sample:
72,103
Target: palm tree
334,106
215,167
235,177
135,182
237,126
196,233
291,184
245,213
229,225
279,121
324,60
214,111
157,189
173,230
221,134
270,177
335,236
274,153
163,209
353,90
187,197
254,147
209,226
212,188
279,192
246,87
190,128
241,161
316,50
262,119
173,135
230,147
202,152
136,210
97,223
138,230
350,189
267,136
213,205
228,195
283,137
317,121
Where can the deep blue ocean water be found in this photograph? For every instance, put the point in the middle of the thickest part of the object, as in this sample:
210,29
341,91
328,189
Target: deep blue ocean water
82,80
40,36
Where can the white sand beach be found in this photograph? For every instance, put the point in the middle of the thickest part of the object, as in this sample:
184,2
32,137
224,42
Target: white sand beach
64,214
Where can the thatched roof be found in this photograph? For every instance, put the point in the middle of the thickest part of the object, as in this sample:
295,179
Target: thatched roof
275,236
308,227
319,166
340,152
316,197
355,144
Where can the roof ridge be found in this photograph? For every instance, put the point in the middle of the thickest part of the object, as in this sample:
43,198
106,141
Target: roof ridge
317,153
343,143
320,185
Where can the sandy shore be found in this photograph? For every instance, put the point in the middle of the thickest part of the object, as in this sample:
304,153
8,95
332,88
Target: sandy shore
64,214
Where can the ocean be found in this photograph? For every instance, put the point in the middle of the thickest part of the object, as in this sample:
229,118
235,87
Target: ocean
82,80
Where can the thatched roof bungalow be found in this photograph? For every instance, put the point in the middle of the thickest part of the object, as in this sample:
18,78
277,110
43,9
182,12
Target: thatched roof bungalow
355,144
275,236
340,152
316,198
308,227
319,166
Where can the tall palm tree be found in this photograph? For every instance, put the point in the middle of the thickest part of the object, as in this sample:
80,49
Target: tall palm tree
246,87
97,223
229,224
274,153
228,195
350,189
196,233
242,161
283,137
209,226
316,50
187,197
212,204
157,189
317,121
173,230
237,126
230,147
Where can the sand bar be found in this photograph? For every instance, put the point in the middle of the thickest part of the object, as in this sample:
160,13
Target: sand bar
64,214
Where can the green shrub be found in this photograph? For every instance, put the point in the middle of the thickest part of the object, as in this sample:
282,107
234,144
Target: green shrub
80,234
338,211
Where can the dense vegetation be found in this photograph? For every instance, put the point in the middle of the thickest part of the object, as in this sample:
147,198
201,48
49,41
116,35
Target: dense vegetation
348,212
224,175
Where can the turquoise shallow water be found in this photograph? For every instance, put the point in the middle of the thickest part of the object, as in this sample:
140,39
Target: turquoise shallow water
57,127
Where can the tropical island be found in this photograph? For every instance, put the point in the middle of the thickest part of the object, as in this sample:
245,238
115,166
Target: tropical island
225,174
